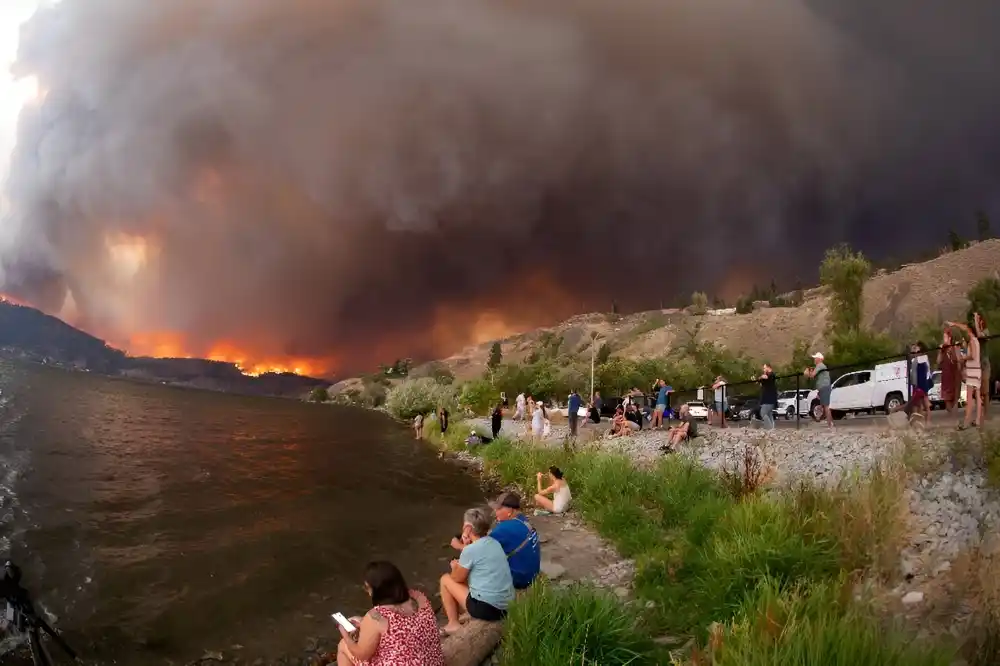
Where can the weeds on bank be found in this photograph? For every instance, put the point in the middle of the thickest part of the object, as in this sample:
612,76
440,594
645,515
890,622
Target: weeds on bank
864,516
805,624
706,554
579,626
974,580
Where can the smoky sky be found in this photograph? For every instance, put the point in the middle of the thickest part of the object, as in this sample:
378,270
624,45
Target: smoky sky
323,177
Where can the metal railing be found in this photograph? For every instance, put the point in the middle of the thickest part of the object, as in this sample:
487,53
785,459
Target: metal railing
835,373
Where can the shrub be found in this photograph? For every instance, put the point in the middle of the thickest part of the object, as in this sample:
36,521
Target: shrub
744,305
418,396
578,626
478,395
319,394
699,302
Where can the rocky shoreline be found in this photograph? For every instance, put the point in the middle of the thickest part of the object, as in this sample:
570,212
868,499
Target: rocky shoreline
951,509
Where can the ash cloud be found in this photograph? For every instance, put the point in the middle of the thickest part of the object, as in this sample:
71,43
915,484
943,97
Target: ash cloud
319,178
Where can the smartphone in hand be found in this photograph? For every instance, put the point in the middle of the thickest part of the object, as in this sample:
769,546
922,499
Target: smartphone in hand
344,623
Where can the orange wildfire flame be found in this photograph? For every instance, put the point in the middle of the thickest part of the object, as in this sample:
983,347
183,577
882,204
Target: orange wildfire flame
171,344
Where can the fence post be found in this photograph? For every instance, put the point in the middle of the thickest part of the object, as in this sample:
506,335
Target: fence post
908,387
798,377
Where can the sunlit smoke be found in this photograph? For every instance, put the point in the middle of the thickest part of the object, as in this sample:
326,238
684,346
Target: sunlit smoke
294,183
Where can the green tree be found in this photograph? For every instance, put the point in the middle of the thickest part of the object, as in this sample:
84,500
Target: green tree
744,305
699,302
319,394
955,241
603,354
984,298
845,273
496,356
983,226
860,347
478,395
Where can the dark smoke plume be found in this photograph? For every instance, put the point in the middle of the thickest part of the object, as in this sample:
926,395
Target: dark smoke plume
321,177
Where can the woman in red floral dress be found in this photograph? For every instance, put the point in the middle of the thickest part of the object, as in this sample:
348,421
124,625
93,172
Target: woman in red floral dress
400,630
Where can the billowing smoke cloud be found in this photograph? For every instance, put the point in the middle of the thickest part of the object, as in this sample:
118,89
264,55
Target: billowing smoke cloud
325,177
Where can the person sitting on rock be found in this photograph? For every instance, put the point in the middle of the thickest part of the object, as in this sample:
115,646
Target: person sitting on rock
518,538
684,431
399,629
559,490
480,581
620,425
633,415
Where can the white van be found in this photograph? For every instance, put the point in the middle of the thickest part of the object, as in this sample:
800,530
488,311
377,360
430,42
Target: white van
883,388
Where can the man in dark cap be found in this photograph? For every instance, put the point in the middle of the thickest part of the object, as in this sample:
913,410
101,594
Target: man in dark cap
518,538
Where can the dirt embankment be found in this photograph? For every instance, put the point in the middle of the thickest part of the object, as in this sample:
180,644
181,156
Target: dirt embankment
894,302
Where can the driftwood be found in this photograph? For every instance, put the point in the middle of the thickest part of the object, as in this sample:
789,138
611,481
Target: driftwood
472,644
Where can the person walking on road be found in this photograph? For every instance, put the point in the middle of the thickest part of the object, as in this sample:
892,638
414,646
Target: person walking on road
824,386
768,396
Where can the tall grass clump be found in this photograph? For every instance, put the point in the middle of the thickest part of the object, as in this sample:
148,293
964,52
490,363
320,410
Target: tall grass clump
815,624
754,540
577,626
863,516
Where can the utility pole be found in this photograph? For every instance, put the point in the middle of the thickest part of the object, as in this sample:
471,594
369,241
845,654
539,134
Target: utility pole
593,355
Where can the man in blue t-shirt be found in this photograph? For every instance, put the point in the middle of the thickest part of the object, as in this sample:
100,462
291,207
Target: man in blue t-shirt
661,403
518,538
573,411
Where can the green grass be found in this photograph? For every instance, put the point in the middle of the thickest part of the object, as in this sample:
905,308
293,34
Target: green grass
575,626
704,556
812,625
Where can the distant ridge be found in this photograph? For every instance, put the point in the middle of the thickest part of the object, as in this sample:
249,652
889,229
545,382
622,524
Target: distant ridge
29,334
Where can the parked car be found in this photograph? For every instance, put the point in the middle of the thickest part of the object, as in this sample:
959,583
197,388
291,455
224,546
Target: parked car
786,403
935,393
880,389
749,410
697,409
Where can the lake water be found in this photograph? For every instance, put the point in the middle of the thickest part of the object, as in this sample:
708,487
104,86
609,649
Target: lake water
156,523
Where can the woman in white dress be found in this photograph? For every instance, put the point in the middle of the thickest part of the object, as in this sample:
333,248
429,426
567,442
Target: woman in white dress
559,490
538,419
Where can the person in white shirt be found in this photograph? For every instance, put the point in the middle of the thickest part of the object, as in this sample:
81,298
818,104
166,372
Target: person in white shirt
520,403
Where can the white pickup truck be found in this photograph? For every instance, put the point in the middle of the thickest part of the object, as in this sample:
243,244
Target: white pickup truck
883,388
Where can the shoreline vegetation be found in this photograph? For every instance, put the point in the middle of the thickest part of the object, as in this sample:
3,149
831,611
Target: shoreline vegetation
731,569
741,564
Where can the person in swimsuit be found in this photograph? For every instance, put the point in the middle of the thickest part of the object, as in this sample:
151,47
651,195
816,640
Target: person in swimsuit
983,332
559,490
973,379
399,629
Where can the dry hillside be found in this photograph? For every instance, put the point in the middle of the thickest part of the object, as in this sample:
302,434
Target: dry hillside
894,303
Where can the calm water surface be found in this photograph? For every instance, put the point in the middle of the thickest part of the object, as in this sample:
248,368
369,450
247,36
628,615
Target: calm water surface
155,523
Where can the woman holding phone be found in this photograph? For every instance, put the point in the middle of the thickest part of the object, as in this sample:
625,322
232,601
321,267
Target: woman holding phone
399,629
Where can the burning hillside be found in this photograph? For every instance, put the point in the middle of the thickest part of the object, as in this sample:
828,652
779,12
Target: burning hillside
331,185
